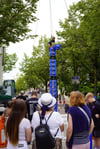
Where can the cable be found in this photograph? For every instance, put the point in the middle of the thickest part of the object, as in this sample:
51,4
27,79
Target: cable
37,17
66,5
51,24
38,12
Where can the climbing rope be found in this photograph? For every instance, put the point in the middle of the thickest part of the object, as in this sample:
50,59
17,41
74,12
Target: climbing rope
51,23
66,5
36,27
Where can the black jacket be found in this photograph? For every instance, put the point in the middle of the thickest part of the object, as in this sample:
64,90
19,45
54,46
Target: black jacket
31,107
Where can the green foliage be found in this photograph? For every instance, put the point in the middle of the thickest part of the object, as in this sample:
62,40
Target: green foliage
15,15
9,61
85,89
79,54
36,68
21,84
81,36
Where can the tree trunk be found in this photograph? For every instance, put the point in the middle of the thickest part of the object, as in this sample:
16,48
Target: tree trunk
46,89
95,71
95,81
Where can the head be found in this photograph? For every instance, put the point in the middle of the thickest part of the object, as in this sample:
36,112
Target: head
14,98
19,108
22,93
53,38
76,98
46,102
9,107
16,115
89,98
34,94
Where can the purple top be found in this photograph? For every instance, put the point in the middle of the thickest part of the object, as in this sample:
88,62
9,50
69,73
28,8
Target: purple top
80,125
80,122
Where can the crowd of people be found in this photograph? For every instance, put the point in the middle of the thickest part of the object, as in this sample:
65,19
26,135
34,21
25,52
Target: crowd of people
23,116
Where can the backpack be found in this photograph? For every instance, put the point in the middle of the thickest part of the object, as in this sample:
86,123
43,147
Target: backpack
32,106
44,139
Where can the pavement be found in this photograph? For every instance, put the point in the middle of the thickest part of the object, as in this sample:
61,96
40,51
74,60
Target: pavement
61,109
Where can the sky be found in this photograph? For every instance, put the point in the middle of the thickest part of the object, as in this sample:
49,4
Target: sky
49,13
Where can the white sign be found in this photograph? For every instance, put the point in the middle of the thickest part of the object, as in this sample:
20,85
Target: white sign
75,80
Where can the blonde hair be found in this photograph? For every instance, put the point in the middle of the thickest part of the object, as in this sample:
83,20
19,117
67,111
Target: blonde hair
88,95
76,99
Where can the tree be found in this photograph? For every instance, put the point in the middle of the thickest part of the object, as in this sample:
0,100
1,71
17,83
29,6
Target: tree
15,16
81,35
9,61
21,84
89,14
71,49
36,68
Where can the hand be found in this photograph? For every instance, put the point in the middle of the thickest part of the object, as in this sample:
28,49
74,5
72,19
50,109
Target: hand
97,116
67,144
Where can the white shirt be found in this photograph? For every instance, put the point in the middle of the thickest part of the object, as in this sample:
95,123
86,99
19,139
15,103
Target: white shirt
54,122
24,124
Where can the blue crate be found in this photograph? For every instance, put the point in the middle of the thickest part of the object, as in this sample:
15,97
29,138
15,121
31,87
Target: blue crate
57,46
52,51
53,73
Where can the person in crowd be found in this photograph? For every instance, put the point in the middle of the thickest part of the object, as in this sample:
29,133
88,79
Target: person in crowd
32,104
21,96
95,109
18,129
80,123
51,42
67,102
46,103
9,108
98,97
14,98
3,122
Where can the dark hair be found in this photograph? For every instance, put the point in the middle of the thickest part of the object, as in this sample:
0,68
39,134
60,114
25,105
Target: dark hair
17,114
34,93
10,104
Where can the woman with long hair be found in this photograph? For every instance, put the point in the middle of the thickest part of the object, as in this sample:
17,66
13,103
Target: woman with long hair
18,129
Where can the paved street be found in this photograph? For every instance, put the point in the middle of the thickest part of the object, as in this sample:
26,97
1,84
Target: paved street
61,109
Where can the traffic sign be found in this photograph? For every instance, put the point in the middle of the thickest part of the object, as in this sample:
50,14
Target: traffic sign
75,80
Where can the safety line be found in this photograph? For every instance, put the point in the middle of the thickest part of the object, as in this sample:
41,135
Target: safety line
37,16
66,5
51,24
